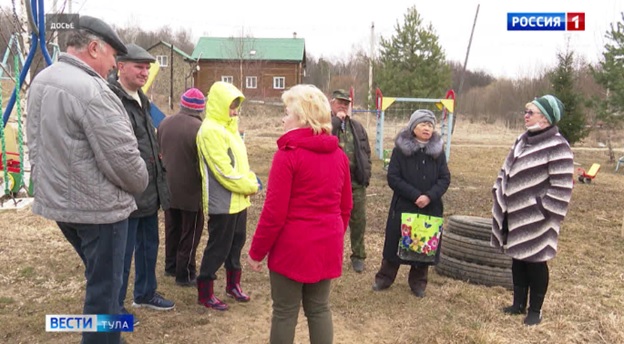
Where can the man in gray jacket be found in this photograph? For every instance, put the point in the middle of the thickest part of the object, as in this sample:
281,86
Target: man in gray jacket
85,161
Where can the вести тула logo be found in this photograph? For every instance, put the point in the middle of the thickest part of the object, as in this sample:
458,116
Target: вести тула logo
89,323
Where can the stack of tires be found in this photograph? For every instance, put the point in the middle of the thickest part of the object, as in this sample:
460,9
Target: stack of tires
467,255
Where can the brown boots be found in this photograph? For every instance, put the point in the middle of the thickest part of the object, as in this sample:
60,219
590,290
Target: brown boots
417,279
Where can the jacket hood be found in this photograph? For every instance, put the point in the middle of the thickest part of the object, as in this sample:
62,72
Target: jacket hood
306,139
220,97
406,142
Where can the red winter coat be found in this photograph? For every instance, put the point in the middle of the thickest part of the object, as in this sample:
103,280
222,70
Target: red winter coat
307,208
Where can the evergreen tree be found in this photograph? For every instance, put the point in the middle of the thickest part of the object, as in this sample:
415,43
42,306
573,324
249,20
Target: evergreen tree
412,63
610,109
573,125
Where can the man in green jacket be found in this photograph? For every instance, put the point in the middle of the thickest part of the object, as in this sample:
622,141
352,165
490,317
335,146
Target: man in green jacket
354,141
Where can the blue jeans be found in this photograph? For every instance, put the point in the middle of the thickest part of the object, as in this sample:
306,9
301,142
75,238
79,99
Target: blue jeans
101,248
143,242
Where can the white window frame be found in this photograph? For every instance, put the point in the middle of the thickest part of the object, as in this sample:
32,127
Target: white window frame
163,60
279,82
227,78
251,82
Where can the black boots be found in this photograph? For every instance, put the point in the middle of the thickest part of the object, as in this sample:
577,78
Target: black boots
534,316
519,301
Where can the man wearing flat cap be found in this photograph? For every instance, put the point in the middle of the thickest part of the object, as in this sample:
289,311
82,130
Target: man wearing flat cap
354,141
143,238
85,161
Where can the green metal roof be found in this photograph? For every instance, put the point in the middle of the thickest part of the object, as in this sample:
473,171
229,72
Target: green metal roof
177,50
250,48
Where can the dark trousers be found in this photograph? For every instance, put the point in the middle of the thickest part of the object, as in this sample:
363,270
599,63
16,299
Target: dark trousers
143,242
226,238
534,276
183,230
288,295
101,248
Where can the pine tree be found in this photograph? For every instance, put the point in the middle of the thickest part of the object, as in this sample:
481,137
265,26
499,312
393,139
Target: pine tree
412,63
573,125
610,109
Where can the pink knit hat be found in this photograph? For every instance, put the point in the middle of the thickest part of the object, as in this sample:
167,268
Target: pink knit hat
193,99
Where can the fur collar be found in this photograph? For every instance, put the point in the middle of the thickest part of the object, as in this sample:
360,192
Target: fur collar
408,145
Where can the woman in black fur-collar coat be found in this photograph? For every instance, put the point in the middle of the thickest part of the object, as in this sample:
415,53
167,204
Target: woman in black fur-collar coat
419,176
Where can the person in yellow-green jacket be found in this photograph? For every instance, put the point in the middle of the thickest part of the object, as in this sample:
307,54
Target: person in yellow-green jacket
227,183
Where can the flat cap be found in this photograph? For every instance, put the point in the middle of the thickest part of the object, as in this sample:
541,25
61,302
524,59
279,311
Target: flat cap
341,94
104,31
137,54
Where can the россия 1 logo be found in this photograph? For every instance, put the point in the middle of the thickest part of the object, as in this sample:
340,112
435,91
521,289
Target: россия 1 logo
543,21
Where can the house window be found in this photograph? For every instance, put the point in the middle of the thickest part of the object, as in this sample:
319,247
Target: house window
251,82
279,82
227,78
163,60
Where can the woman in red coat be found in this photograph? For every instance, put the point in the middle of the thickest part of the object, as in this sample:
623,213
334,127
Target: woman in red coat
304,218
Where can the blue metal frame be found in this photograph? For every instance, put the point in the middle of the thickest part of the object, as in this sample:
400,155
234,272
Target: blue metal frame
39,14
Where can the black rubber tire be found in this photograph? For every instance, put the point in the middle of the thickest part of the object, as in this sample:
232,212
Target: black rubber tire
478,232
474,273
473,251
473,221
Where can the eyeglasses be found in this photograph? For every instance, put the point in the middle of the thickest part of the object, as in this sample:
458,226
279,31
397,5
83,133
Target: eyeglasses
530,112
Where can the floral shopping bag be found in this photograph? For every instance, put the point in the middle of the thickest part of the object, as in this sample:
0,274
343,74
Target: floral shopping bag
420,237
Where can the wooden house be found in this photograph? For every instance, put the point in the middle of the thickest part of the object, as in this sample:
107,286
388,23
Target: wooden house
262,68
175,75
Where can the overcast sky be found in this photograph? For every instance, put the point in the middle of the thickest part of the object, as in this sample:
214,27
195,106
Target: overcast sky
332,29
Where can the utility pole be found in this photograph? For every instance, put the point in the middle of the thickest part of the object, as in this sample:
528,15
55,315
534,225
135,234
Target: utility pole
370,66
171,78
26,29
463,75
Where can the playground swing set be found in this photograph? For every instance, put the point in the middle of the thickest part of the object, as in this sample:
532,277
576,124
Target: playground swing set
446,105
12,154
12,163
12,167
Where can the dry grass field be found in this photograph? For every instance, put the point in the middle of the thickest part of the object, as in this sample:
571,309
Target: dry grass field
41,274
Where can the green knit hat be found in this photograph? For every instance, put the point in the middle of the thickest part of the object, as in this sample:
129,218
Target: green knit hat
551,107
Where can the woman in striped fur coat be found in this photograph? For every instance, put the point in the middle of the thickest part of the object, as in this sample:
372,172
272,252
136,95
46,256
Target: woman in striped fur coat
531,197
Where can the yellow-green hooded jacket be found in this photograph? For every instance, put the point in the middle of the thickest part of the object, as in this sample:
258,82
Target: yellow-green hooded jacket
227,181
